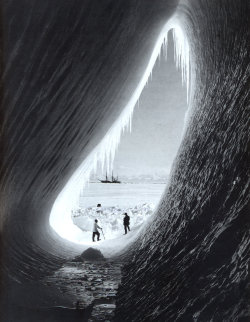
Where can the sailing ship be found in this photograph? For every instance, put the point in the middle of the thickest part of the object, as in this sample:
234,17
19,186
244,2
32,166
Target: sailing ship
113,179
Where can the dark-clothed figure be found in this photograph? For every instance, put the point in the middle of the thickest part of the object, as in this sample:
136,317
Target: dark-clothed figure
99,208
95,231
126,223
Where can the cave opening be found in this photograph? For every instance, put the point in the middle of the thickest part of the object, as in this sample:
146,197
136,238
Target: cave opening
148,144
197,267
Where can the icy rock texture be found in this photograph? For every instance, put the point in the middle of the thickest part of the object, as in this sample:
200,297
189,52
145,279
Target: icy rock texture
192,262
91,287
69,69
90,254
66,80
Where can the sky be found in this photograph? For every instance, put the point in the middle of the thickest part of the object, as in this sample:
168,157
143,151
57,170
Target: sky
157,124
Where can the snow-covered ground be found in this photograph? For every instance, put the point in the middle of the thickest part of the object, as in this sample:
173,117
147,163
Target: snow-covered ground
110,219
138,200
121,195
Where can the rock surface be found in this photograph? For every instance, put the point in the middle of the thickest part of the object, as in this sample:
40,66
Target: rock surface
92,286
91,254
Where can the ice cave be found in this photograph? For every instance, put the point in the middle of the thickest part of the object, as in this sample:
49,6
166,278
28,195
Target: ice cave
72,73
145,148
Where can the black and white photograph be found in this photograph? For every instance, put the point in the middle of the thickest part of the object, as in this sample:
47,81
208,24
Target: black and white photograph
124,160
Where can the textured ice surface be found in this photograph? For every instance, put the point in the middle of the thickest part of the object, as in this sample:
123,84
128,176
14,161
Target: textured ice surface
65,82
192,262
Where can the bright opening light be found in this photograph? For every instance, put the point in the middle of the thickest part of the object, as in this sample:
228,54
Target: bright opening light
60,218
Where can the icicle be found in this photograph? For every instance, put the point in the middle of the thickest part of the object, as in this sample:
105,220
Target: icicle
104,152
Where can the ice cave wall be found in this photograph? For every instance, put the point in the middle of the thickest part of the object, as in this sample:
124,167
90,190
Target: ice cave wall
68,68
191,263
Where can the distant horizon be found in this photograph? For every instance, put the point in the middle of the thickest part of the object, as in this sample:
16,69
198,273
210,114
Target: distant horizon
143,178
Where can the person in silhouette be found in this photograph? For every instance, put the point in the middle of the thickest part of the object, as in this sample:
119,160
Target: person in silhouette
99,208
95,231
126,223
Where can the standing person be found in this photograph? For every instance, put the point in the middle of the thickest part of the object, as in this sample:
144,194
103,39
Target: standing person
126,222
95,231
99,208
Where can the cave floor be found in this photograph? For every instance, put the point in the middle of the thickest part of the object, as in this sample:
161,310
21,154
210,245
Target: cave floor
77,291
91,286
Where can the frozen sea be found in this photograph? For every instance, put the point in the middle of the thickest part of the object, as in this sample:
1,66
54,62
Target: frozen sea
121,195
138,200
